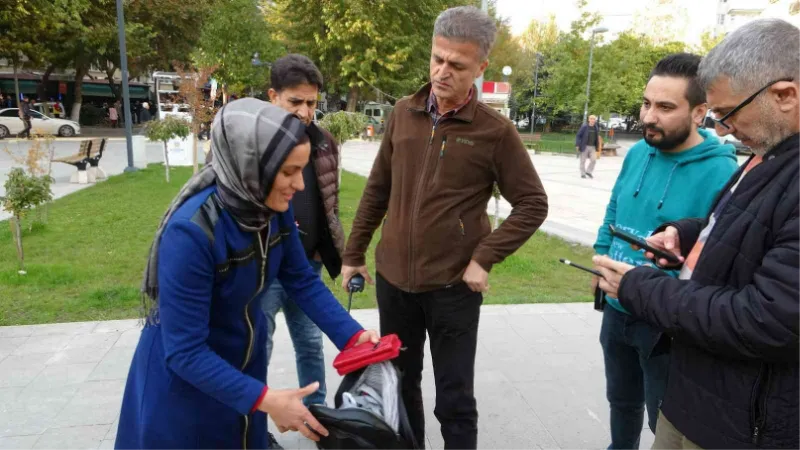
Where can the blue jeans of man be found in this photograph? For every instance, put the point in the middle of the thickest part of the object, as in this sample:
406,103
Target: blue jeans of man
634,376
306,337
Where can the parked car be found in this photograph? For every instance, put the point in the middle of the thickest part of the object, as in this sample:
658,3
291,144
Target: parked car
11,124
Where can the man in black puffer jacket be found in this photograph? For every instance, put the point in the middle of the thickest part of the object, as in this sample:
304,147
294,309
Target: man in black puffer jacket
733,312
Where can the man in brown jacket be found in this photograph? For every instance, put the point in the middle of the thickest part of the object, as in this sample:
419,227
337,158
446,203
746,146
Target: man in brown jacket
430,185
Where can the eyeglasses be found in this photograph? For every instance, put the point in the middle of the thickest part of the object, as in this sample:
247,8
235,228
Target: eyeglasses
746,102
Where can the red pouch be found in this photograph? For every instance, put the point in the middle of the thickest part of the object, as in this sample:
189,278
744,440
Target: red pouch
367,353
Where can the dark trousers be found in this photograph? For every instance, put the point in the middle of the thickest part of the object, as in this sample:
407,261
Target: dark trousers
634,376
450,316
27,131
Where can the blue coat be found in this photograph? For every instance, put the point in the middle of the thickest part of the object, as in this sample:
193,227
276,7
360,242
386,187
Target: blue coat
198,373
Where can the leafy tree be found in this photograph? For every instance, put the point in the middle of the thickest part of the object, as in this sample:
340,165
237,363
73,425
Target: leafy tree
539,37
228,41
507,51
24,192
201,109
343,126
361,43
708,41
166,129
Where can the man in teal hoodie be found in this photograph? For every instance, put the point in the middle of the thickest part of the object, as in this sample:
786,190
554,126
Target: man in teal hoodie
676,171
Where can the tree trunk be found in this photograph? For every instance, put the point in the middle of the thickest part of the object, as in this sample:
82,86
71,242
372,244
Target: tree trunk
16,83
166,160
496,212
195,131
17,231
224,94
41,90
80,72
352,99
115,90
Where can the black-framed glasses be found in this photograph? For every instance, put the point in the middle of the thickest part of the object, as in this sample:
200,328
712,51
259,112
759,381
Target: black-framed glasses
746,102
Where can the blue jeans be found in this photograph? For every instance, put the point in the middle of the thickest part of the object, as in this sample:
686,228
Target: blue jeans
634,377
306,337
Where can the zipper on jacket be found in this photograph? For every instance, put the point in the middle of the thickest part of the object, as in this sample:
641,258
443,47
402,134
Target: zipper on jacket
760,410
262,248
415,208
440,160
244,434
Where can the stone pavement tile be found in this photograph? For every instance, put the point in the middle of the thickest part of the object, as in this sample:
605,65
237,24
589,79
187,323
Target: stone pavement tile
83,437
115,365
107,444
537,308
129,338
574,412
9,394
46,343
536,367
116,326
18,442
94,341
21,370
76,356
16,331
33,410
61,375
495,310
9,345
505,347
569,325
528,327
96,403
506,420
490,322
112,430
72,328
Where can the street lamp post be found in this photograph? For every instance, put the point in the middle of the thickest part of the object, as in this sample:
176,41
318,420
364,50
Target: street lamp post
589,77
507,73
126,95
535,88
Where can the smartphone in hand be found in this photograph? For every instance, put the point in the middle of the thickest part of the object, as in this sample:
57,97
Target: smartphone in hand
641,243
580,267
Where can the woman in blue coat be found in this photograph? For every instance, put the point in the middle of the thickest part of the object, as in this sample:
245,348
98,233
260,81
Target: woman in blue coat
197,377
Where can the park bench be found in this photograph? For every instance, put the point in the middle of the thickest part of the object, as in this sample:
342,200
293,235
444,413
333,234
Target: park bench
88,155
95,172
610,149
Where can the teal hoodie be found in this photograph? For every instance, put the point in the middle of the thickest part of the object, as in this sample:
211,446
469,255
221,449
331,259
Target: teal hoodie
655,187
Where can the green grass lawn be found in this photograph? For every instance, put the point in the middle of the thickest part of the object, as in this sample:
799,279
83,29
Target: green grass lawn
551,142
87,262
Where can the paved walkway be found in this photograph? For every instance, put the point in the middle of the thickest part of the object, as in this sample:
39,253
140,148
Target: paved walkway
539,380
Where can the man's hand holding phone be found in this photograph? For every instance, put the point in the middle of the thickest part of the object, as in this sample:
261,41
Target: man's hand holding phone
654,246
668,241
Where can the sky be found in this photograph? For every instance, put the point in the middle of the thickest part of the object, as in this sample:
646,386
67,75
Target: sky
617,14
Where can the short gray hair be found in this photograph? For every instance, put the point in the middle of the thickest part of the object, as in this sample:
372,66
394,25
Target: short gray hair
760,52
467,23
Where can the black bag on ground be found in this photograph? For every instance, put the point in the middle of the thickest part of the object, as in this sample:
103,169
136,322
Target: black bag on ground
358,419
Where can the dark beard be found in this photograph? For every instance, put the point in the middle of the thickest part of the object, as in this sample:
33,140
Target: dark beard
668,141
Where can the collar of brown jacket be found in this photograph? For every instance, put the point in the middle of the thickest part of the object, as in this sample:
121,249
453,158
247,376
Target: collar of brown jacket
419,102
